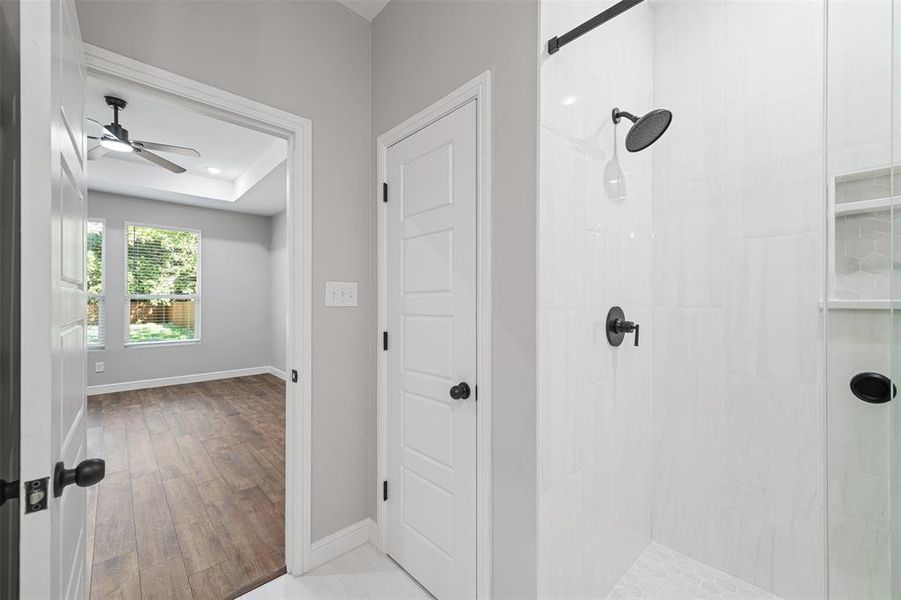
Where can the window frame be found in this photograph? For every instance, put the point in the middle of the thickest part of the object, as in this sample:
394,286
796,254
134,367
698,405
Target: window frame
101,297
128,296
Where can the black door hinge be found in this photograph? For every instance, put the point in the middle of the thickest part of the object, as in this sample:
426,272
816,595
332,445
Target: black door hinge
477,393
384,340
385,491
385,192
294,375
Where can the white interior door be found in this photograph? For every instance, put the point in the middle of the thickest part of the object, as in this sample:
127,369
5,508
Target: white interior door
52,546
431,316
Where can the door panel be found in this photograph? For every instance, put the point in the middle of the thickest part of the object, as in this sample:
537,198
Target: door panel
427,181
429,262
53,290
428,428
72,234
432,332
431,305
72,369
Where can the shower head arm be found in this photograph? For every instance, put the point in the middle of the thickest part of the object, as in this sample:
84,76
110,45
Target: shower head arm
618,114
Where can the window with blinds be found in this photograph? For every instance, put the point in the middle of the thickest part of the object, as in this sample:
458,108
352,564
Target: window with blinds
162,285
94,269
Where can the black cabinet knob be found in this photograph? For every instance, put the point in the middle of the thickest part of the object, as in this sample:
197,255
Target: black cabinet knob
87,473
460,391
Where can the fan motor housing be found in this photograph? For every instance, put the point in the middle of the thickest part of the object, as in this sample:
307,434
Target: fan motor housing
117,130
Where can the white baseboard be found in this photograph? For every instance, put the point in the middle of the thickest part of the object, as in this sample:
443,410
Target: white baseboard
374,533
278,373
127,386
341,542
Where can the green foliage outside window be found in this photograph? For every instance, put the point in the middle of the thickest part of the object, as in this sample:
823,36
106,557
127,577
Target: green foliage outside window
94,269
161,261
95,257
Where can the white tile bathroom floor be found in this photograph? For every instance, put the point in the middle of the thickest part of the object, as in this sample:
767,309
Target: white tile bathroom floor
365,572
361,573
667,575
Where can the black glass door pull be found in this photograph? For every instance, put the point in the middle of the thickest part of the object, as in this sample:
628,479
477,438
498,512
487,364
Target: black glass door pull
873,388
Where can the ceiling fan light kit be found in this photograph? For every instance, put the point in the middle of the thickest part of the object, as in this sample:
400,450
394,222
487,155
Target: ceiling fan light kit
115,138
115,145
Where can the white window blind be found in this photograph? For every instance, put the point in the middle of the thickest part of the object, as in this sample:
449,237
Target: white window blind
94,269
162,285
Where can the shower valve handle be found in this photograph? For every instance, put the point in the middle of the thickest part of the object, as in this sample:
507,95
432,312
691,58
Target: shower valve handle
621,326
618,327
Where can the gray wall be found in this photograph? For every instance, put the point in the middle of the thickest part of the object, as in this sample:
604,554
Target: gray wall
235,292
420,52
312,59
278,276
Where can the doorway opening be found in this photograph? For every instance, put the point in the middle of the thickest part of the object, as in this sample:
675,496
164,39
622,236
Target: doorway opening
198,335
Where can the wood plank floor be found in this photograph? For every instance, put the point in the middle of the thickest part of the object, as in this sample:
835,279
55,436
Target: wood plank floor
192,505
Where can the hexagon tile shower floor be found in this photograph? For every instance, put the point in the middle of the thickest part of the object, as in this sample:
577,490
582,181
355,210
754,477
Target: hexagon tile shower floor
662,573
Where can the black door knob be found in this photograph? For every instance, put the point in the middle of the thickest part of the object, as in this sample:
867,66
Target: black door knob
460,391
87,473
9,490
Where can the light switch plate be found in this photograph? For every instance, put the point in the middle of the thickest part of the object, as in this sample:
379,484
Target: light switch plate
98,366
340,293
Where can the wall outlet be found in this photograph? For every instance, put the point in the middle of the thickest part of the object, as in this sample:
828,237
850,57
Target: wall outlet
340,293
98,366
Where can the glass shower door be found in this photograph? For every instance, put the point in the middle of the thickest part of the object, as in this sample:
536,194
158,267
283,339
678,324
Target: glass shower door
862,442
895,296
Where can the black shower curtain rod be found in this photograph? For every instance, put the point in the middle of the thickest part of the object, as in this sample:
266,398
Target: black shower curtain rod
557,42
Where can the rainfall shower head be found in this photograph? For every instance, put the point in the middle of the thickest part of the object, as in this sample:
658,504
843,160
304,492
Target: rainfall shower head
646,129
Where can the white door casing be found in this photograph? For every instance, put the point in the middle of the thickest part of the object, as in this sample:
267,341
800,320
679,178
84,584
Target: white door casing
431,319
52,541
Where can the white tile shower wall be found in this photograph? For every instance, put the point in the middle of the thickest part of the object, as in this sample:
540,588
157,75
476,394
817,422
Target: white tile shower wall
595,252
737,262
738,213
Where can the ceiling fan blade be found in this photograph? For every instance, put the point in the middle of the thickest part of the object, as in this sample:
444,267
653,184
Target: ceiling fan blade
101,126
96,152
168,148
159,160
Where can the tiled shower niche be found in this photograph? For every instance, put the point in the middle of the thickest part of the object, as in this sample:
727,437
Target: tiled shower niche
863,237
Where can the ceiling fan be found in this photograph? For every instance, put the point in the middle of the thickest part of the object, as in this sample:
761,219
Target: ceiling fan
115,138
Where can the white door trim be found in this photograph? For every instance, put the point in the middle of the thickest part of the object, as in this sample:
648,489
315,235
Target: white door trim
297,131
478,89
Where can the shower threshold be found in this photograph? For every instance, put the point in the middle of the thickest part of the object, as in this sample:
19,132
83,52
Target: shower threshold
665,574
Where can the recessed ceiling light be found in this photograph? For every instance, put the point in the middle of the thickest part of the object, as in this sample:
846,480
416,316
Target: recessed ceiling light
569,100
214,170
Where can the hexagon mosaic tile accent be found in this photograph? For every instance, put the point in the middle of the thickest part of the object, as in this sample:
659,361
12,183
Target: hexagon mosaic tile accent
863,255
667,575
